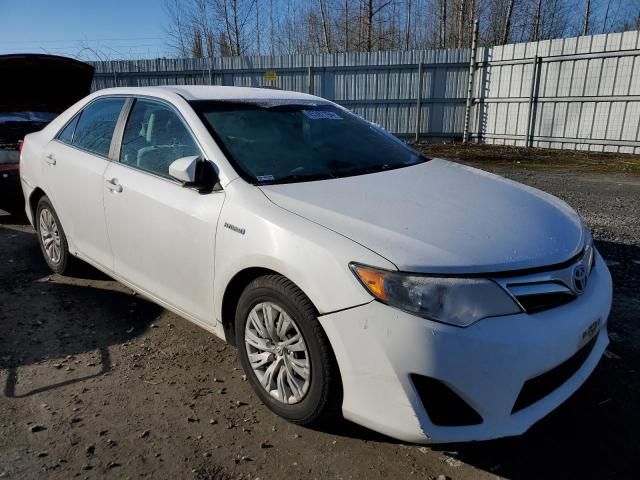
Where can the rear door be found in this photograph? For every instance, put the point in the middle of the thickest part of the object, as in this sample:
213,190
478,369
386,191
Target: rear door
162,233
76,161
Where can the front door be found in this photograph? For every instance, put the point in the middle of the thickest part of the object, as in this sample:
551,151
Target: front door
162,233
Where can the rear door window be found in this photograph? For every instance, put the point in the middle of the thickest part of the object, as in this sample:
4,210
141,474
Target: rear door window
95,127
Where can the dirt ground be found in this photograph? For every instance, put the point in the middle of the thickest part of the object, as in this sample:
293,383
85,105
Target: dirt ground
97,382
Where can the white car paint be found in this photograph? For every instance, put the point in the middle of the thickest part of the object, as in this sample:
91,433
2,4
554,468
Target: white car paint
182,249
84,221
441,217
486,363
162,238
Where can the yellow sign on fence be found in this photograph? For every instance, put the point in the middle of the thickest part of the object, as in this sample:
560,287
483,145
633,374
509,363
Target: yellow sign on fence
270,76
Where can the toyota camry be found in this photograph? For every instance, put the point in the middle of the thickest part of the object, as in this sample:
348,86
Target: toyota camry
421,298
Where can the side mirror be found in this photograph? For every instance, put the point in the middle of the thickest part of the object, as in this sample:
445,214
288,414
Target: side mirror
195,172
184,169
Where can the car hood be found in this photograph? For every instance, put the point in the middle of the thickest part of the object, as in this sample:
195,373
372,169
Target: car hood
441,217
42,83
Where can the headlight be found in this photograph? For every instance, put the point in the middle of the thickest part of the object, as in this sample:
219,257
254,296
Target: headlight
456,301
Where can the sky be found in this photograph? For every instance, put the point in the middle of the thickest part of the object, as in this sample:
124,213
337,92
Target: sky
84,29
131,29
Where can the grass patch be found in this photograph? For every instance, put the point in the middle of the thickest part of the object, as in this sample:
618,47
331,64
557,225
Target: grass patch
536,158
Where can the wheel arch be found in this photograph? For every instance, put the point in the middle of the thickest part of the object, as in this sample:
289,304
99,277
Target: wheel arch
34,198
232,292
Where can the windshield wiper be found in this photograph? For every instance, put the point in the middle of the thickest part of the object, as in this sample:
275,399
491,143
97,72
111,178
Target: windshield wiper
295,178
379,168
365,170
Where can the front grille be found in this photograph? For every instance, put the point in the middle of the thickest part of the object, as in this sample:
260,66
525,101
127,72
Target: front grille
539,387
544,301
548,288
443,406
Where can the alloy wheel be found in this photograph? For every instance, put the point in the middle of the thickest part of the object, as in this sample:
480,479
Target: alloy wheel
50,236
277,353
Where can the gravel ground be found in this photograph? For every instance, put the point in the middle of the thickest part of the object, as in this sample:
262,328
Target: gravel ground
97,382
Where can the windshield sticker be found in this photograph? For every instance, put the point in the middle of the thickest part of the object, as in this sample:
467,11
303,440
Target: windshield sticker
265,178
321,115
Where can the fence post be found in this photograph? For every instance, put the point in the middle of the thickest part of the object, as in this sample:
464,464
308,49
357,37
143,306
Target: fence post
472,69
309,80
419,103
533,100
115,78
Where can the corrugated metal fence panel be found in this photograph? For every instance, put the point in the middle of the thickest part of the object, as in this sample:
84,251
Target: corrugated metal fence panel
380,86
583,92
587,93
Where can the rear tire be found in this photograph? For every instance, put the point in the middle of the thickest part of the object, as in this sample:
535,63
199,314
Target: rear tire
52,239
296,338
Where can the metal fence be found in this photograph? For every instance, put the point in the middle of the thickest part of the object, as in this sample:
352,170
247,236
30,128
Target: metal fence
387,88
573,93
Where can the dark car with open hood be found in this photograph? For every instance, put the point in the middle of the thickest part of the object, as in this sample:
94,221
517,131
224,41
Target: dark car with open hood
35,89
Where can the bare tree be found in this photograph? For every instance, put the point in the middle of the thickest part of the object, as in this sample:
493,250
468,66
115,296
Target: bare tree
345,20
178,27
587,14
196,49
535,30
443,24
407,27
371,14
507,22
606,17
460,28
258,50
236,28
633,24
201,23
210,28
325,26
236,16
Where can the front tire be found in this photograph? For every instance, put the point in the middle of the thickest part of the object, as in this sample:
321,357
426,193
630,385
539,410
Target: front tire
285,352
51,236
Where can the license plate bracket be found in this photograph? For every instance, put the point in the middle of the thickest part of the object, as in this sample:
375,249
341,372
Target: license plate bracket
589,332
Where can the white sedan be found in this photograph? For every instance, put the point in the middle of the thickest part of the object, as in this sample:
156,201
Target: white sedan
423,299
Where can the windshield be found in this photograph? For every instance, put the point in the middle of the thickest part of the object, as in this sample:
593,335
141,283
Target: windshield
283,143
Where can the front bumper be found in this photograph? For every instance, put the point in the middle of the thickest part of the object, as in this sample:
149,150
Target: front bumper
487,364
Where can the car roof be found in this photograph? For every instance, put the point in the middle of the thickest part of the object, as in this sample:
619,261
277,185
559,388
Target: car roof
211,92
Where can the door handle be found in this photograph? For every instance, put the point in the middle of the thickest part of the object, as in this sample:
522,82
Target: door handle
113,185
51,159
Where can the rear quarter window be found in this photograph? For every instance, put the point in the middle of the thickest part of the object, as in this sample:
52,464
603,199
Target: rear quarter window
66,135
94,129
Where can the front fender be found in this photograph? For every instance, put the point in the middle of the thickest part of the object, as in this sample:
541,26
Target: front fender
254,232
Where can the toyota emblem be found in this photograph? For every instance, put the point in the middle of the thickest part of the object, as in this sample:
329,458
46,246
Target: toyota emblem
579,279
